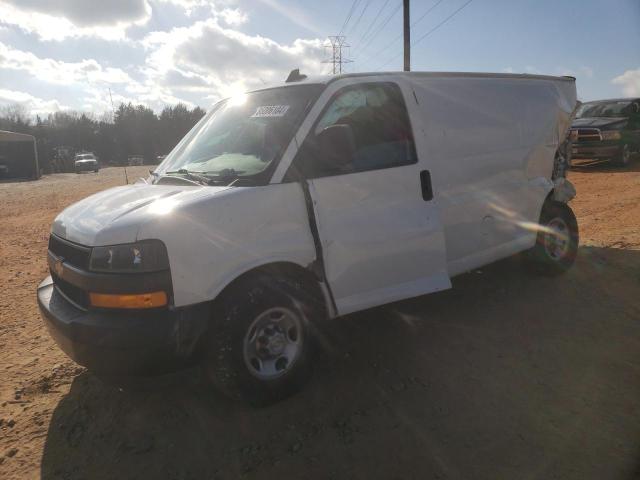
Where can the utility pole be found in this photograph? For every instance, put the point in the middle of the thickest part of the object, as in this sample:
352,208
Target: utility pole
113,112
337,43
407,36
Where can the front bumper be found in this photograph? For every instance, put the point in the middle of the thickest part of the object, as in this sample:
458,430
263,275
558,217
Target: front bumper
591,150
86,166
124,343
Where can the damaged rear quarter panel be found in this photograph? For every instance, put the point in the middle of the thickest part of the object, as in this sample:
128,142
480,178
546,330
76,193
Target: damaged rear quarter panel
214,240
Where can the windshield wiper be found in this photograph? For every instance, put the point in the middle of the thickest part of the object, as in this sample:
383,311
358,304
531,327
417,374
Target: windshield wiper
191,175
228,176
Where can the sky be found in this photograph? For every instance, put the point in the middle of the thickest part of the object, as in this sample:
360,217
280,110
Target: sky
80,54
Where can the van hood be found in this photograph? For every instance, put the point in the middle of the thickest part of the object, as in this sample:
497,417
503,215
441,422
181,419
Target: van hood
115,216
598,122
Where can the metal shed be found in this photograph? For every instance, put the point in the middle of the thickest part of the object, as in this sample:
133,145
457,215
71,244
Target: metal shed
18,156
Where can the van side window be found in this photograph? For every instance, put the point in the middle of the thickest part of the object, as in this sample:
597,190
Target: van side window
377,116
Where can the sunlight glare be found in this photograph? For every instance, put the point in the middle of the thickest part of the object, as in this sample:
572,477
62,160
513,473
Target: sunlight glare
238,99
162,206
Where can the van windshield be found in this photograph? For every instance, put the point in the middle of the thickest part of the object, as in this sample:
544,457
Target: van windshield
242,136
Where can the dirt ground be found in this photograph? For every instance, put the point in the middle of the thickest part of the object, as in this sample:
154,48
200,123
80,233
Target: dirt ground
505,376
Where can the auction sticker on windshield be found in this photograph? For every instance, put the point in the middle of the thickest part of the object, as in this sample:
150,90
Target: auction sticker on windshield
270,111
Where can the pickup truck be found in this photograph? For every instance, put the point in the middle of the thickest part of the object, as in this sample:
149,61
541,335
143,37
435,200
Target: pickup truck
313,199
84,162
607,130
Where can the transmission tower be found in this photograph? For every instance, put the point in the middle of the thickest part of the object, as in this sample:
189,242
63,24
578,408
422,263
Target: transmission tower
337,43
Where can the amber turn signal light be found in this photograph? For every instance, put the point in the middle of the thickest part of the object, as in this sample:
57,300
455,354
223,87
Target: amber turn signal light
140,300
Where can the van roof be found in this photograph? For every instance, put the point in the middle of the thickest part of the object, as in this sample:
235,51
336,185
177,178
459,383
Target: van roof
326,79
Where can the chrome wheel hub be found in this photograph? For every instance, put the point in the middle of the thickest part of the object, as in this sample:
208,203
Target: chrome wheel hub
273,343
556,239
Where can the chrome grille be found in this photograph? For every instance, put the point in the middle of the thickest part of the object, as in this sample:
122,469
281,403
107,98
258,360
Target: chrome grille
73,254
587,134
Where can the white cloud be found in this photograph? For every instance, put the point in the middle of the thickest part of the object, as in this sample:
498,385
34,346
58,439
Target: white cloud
35,105
630,82
208,57
234,16
203,62
190,6
88,13
60,19
54,71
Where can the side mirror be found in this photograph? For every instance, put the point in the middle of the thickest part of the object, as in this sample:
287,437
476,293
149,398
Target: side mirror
337,145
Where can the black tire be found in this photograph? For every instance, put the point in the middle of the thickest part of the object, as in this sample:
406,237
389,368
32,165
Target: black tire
557,241
237,373
624,157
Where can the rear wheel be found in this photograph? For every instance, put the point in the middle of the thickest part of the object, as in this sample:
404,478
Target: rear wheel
557,241
260,345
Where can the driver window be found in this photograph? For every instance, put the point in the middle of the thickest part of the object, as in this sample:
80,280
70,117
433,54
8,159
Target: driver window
377,116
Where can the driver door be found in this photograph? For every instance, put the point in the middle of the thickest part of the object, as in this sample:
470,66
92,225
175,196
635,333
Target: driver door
381,236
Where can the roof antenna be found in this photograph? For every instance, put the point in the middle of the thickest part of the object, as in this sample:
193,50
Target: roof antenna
295,76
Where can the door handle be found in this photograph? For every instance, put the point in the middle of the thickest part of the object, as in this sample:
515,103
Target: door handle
425,183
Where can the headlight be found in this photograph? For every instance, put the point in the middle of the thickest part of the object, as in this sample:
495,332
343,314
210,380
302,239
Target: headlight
144,256
573,135
610,135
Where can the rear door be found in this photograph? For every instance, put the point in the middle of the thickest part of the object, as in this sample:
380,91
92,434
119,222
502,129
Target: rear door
381,236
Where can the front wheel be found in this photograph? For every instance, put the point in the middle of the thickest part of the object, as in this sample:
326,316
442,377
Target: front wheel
260,346
557,241
624,157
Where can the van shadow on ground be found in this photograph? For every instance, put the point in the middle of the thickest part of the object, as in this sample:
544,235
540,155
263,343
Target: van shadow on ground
505,376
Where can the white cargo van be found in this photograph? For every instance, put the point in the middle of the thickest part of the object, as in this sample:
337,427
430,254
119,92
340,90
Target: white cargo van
313,199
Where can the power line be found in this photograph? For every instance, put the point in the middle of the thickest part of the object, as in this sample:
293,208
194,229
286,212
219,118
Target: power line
384,24
364,35
413,24
441,23
427,12
379,28
346,21
355,25
429,32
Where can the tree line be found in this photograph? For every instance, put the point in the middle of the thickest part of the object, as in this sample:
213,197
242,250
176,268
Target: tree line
132,130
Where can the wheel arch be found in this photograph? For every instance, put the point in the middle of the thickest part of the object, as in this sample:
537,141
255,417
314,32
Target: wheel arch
311,288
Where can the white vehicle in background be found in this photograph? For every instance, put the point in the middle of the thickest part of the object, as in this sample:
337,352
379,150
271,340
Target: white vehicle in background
4,168
135,160
314,199
85,162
